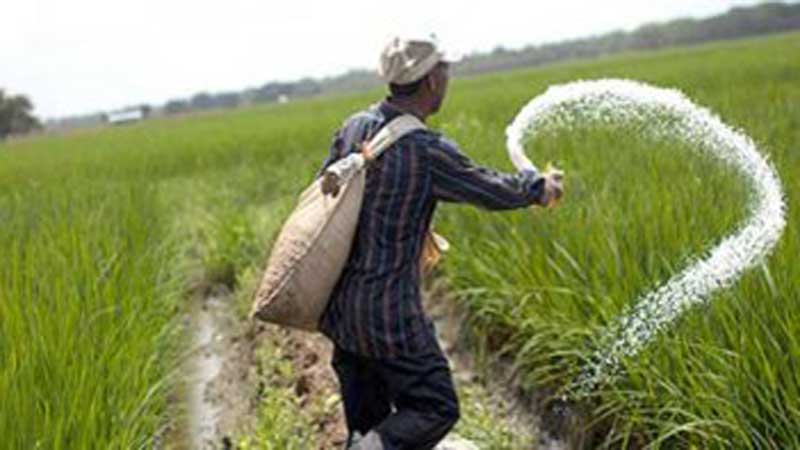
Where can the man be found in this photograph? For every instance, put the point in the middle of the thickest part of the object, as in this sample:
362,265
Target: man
396,384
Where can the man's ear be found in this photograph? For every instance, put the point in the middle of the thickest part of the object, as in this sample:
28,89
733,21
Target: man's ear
431,82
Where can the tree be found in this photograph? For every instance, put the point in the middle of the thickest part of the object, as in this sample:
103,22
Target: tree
227,100
202,101
16,115
176,106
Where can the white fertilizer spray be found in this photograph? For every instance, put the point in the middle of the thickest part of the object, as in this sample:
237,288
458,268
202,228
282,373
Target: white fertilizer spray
661,114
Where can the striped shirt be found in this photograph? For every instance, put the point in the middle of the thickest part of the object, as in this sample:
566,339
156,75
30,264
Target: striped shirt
375,309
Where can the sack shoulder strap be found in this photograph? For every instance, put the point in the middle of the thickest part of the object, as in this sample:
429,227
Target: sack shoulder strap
391,133
340,172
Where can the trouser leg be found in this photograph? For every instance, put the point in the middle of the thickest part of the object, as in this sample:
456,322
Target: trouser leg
425,401
364,395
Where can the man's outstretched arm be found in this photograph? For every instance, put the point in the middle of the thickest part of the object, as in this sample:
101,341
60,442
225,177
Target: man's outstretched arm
456,178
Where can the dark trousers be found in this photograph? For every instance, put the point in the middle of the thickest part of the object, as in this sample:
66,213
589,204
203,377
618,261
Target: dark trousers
409,400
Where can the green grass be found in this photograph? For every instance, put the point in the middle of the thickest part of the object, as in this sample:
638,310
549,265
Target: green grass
101,232
540,284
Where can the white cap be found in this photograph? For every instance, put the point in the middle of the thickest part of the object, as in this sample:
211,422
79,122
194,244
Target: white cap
404,61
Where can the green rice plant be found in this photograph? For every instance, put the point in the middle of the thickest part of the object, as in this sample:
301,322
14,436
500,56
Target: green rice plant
83,298
547,282
101,231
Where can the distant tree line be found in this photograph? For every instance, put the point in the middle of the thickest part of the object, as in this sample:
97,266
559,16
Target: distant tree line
16,115
735,23
270,92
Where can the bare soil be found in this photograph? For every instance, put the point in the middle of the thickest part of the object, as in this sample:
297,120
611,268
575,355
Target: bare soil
224,388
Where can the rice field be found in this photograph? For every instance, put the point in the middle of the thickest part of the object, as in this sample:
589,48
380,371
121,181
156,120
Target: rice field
104,231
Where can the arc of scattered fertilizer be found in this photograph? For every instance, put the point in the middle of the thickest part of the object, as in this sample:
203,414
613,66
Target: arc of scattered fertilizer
662,114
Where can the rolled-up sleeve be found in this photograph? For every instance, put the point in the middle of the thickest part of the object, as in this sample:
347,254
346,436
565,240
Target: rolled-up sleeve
455,178
335,152
353,132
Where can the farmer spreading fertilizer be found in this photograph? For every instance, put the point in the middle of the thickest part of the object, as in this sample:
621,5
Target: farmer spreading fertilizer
395,382
350,258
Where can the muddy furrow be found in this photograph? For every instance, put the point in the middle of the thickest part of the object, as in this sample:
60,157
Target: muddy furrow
223,385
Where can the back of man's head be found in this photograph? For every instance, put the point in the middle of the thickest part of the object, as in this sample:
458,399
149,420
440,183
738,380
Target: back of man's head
415,68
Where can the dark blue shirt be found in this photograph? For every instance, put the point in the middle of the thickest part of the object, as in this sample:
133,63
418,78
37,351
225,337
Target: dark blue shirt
375,309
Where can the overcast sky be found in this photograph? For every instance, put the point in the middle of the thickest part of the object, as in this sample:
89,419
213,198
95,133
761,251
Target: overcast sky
81,56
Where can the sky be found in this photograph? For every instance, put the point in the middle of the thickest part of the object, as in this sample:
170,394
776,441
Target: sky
83,56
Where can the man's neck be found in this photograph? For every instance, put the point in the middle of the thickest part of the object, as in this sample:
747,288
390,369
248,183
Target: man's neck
408,106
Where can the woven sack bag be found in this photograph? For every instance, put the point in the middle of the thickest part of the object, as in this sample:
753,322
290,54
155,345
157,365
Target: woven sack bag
313,246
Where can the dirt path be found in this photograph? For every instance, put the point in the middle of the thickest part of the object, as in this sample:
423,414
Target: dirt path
225,384
216,396
316,382
496,379
222,385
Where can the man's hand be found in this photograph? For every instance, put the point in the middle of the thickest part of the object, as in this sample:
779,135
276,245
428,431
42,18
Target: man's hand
553,187
330,183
